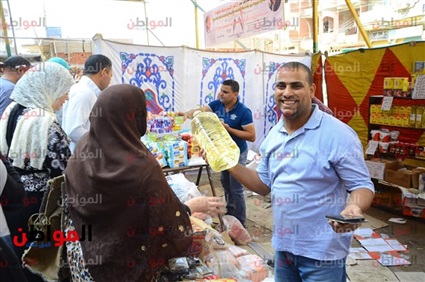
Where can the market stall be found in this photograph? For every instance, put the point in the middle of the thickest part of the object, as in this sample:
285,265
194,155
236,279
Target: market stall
178,78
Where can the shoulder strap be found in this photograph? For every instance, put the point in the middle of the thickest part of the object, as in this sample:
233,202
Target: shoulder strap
12,122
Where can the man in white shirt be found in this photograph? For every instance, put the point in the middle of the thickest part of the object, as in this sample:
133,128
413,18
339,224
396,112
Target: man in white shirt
82,96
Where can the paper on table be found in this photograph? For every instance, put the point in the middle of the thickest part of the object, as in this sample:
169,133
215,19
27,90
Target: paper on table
365,233
390,260
396,245
375,245
359,253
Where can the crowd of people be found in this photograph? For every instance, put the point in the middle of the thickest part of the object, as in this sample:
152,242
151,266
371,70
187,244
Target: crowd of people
40,141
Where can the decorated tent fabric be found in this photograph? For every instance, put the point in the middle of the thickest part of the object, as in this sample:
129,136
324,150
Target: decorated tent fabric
178,78
353,77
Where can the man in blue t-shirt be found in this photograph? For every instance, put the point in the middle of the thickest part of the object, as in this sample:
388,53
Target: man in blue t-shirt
13,69
237,119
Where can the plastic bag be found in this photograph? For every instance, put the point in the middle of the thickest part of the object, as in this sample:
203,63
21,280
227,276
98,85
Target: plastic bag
178,265
252,267
215,240
236,230
183,188
236,251
224,265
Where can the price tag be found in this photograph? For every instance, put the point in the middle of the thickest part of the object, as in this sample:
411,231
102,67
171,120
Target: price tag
419,88
386,103
371,147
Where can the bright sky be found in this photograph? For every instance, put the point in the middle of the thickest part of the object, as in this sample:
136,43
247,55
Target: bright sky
114,19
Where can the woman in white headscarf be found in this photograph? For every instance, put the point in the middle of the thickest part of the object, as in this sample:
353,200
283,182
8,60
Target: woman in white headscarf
32,138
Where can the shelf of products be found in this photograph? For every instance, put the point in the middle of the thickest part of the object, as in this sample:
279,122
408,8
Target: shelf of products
399,129
396,135
413,128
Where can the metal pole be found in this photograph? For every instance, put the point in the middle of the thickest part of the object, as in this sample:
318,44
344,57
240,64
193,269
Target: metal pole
359,24
13,29
315,26
4,28
146,18
196,25
214,195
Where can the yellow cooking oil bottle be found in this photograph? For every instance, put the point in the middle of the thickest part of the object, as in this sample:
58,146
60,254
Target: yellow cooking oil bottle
222,152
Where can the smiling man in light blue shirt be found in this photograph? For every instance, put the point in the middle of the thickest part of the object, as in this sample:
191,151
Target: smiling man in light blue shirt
313,165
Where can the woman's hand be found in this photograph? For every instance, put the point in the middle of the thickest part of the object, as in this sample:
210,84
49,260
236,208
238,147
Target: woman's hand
212,206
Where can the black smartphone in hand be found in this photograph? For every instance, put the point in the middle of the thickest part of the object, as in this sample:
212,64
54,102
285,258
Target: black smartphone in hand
346,219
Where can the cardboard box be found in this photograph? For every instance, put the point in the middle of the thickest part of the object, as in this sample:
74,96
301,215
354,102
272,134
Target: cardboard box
402,175
377,167
388,196
382,199
411,208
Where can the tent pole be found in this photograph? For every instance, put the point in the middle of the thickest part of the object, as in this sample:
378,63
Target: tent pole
147,28
4,27
195,3
315,26
359,24
196,25
13,28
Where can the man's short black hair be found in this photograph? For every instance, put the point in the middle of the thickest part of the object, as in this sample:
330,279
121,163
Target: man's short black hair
234,85
96,63
16,62
296,66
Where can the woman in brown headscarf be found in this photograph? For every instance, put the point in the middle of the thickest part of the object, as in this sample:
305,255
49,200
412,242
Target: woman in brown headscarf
137,222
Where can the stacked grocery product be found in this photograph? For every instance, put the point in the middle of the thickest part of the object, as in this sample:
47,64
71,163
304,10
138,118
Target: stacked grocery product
166,122
402,116
169,150
163,140
389,144
401,86
193,148
396,86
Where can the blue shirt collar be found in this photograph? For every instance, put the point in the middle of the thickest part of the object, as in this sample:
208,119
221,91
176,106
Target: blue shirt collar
234,107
